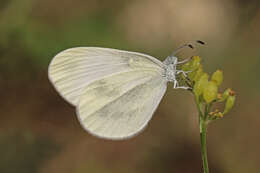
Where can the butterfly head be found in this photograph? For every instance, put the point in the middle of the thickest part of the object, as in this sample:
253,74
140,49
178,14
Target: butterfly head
171,60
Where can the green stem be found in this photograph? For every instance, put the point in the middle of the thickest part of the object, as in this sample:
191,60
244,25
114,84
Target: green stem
203,123
203,136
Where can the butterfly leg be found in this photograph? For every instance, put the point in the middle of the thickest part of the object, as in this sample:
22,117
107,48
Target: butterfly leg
176,86
175,83
183,87
183,72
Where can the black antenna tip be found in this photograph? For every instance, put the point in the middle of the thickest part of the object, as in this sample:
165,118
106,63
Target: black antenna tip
201,42
190,46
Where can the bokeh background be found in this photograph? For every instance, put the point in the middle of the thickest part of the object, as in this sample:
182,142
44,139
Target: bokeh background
39,131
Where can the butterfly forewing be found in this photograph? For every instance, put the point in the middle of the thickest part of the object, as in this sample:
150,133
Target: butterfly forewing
73,69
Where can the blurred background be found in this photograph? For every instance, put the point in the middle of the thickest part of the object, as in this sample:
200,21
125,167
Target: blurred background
39,131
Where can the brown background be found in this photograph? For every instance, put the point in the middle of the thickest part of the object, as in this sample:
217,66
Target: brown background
39,131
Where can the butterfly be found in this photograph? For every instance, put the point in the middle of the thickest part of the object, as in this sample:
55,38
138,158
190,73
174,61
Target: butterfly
115,92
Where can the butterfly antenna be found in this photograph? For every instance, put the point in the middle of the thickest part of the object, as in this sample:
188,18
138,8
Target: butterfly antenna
200,42
190,45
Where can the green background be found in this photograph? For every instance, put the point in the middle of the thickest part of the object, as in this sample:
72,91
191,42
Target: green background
39,131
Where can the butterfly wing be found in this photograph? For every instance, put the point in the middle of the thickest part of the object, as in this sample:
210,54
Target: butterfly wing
121,105
73,69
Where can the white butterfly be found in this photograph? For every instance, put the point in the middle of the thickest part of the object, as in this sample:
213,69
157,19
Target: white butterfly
115,92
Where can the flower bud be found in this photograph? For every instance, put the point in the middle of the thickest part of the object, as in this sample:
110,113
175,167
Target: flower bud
186,66
229,103
210,92
192,65
195,63
219,96
225,94
201,84
219,115
197,75
218,77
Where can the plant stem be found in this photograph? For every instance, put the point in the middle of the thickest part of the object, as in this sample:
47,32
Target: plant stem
203,136
203,123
